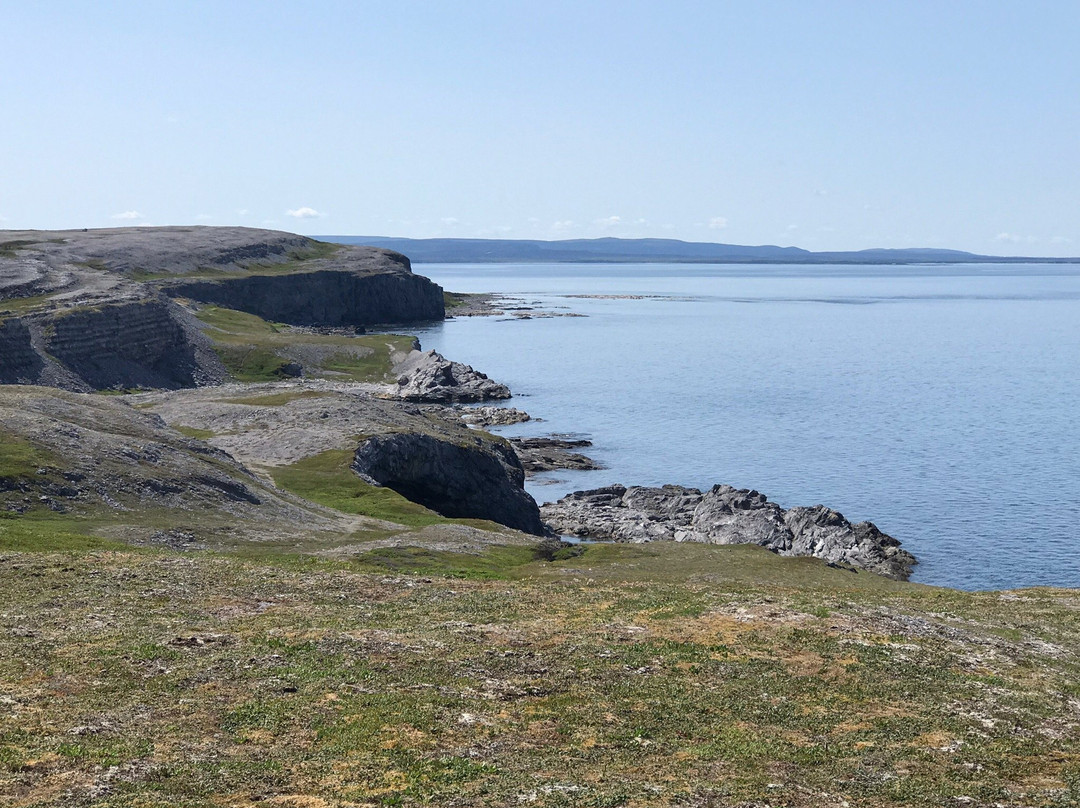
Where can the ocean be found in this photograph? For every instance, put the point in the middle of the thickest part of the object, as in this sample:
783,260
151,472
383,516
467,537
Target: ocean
941,403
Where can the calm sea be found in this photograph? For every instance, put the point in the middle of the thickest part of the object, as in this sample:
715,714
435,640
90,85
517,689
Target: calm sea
941,403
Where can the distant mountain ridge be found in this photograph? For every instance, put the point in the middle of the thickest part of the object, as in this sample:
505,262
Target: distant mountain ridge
648,250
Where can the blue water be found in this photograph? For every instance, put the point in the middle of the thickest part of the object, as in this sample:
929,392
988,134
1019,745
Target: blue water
940,403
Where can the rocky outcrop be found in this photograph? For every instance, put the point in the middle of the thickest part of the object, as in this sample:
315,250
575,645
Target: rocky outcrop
468,478
330,297
19,362
91,309
550,453
725,515
426,376
493,416
130,345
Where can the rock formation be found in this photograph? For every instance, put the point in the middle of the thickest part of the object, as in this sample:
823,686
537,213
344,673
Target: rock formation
475,477
725,515
484,417
551,453
430,377
93,309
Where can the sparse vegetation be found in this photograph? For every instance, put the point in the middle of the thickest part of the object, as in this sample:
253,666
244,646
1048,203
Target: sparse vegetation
158,679
254,350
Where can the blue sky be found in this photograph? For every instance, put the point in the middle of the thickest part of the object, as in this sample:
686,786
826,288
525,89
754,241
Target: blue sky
827,125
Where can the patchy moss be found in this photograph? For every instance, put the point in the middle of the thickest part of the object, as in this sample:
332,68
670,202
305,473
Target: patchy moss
275,399
254,350
10,249
313,684
195,432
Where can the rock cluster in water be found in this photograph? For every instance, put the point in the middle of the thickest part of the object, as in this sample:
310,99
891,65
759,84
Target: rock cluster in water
725,515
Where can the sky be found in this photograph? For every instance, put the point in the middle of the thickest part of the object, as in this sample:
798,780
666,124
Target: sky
825,125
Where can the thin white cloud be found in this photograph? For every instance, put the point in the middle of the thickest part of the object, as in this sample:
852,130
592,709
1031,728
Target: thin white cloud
1054,240
203,217
564,224
449,221
608,221
1013,238
304,213
128,215
717,222
243,212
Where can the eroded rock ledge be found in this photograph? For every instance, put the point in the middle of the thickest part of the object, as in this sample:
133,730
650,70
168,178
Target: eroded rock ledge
471,477
725,515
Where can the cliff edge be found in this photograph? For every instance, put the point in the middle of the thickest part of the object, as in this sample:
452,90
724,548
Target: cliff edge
94,309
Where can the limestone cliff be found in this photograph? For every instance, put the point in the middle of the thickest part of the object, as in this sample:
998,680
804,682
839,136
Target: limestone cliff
92,309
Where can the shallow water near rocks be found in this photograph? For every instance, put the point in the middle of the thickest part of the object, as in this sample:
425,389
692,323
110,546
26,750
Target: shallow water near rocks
939,402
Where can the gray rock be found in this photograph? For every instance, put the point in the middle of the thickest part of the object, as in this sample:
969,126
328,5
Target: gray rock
92,309
550,453
725,515
472,477
426,376
493,416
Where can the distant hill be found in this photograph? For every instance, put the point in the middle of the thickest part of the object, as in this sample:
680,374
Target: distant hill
646,250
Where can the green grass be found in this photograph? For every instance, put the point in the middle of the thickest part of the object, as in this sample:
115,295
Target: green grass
500,562
213,680
19,458
371,367
275,399
46,532
254,350
326,478
194,432
250,363
234,324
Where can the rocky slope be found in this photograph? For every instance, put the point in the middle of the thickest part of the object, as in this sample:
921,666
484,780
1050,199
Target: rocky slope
724,515
97,459
423,452
94,309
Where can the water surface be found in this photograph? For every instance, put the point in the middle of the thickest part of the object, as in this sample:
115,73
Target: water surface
938,402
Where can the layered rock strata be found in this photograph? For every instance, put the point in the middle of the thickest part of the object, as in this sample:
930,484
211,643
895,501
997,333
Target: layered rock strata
551,453
330,297
93,309
725,515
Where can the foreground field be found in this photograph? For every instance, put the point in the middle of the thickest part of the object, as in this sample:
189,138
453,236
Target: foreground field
627,675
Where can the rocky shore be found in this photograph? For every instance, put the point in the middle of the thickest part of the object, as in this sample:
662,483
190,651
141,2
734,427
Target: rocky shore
725,515
194,310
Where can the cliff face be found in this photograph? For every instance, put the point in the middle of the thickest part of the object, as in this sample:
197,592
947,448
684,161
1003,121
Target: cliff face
477,478
19,362
142,344
94,309
325,297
